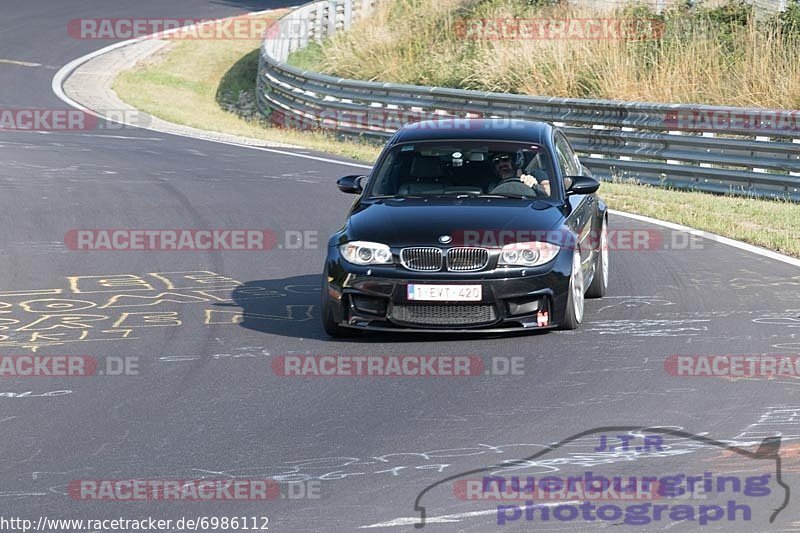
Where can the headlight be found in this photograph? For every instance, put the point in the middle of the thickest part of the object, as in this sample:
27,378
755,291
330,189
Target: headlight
366,253
528,254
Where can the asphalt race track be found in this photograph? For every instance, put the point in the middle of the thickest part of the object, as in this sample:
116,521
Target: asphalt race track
206,402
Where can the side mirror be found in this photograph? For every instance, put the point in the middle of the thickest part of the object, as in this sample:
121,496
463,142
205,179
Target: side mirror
583,185
351,184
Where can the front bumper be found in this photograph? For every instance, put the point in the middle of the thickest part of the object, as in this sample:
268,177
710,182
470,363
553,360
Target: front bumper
513,299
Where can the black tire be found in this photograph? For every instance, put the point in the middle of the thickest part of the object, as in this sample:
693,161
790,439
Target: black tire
328,322
573,315
599,284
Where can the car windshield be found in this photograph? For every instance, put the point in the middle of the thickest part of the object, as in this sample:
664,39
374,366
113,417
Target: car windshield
465,169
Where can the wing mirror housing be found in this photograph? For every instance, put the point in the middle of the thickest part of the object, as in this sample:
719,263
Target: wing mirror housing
583,185
351,184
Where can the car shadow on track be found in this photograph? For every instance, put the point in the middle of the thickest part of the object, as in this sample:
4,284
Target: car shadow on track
289,307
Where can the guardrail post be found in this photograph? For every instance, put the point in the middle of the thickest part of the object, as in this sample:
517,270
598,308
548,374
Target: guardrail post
330,18
626,157
598,127
761,139
707,134
674,161
339,17
347,14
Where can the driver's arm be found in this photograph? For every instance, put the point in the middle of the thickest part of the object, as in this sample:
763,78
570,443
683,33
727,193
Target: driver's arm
535,184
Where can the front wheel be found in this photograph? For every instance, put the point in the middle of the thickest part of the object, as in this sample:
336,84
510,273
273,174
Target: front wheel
574,313
329,324
599,284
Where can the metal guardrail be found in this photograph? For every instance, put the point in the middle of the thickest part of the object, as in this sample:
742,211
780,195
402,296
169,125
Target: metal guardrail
753,152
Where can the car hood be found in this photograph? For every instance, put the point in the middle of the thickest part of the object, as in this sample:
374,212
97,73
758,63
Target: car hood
410,222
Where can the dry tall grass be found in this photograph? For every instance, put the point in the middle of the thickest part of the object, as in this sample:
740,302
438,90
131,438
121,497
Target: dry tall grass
695,60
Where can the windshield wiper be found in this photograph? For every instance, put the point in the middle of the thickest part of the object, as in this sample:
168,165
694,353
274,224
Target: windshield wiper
451,195
515,196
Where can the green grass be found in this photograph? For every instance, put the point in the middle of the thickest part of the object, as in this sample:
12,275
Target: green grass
771,224
308,58
210,85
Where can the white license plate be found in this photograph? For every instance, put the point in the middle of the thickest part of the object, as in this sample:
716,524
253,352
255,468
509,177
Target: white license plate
445,293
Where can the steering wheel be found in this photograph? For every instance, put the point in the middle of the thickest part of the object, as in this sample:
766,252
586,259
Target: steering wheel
514,187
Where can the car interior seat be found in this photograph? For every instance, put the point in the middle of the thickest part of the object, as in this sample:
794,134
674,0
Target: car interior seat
424,177
473,177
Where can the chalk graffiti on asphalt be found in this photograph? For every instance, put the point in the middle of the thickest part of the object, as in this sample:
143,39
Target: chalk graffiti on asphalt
116,307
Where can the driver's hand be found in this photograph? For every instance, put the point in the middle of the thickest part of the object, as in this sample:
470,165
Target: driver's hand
533,183
529,180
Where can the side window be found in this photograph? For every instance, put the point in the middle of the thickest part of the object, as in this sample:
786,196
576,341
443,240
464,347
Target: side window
567,159
562,161
575,160
386,177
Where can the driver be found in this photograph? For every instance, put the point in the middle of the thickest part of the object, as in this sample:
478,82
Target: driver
507,169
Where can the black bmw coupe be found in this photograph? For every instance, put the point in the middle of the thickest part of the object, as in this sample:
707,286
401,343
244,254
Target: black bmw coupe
488,225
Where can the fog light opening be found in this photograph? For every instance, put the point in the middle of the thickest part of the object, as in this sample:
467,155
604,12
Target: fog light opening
369,305
525,306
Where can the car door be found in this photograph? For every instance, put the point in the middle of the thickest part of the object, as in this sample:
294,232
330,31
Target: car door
582,206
